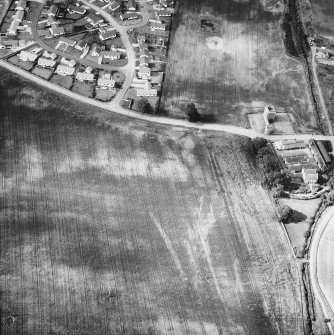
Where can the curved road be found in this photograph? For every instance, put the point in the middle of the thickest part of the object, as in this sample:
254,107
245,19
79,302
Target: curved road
322,265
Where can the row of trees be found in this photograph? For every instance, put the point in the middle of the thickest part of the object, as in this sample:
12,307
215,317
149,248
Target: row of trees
145,107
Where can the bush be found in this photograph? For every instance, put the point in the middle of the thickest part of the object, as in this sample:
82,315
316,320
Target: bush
192,113
285,213
145,107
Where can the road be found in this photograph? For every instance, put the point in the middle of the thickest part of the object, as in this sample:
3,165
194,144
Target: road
322,265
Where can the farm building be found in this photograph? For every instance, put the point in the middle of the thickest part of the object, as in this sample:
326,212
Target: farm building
158,26
67,41
112,55
269,113
147,93
21,5
56,31
84,76
131,5
44,62
289,145
310,176
93,19
53,10
163,13
144,73
319,153
47,54
65,70
76,10
18,15
106,82
27,56
295,158
129,16
106,35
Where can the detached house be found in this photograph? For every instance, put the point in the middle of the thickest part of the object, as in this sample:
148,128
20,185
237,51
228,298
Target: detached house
158,26
131,5
144,73
163,13
44,62
56,30
108,34
76,10
21,5
27,56
82,44
106,82
93,19
53,10
84,76
65,70
152,92
112,55
129,16
115,5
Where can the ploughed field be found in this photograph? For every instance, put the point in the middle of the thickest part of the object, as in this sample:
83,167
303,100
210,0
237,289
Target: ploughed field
131,230
323,13
228,57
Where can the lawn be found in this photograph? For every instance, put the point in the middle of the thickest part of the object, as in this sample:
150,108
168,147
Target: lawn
234,68
104,95
129,228
64,81
85,89
43,73
28,66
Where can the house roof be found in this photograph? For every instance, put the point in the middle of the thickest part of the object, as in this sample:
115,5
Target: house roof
151,91
76,9
67,41
93,19
49,55
111,54
163,12
129,16
105,82
29,55
18,15
131,4
21,4
5,41
114,6
296,159
105,35
46,62
85,76
158,25
143,53
53,10
144,70
57,30
65,69
52,20
13,26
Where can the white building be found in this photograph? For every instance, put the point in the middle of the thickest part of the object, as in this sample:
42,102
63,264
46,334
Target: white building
65,70
147,93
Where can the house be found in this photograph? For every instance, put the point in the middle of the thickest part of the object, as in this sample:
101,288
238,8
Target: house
93,19
269,114
8,43
290,144
112,55
21,5
129,16
143,53
97,50
106,82
82,44
106,35
294,158
76,9
56,30
27,56
131,5
44,33
47,54
84,76
65,70
115,5
144,72
141,39
143,61
143,46
163,13
167,3
68,62
147,93
44,62
53,10
310,176
158,26
89,69
52,20
67,41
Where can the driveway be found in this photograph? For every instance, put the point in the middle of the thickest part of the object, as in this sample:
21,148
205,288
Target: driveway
322,264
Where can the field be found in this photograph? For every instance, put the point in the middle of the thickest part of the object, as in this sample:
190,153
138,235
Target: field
236,67
132,229
323,13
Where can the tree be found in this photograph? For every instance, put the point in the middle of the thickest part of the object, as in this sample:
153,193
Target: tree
192,113
285,213
259,143
145,107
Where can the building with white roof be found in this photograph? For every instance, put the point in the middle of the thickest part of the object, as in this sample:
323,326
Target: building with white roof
65,70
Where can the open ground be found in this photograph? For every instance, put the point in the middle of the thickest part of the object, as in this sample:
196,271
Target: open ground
133,229
237,67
